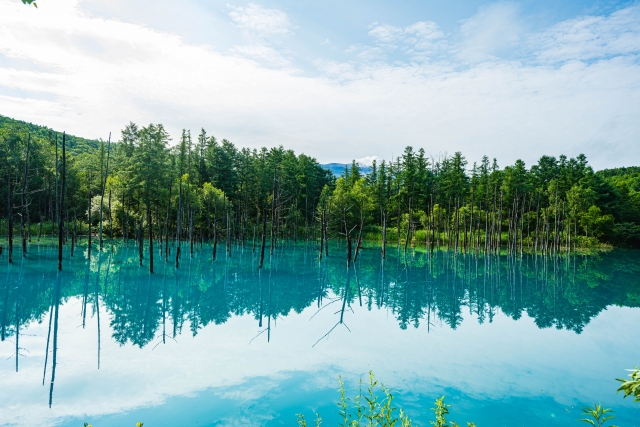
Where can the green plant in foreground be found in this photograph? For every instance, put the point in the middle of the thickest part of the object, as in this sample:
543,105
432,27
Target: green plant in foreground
597,415
440,411
370,409
631,387
367,408
303,423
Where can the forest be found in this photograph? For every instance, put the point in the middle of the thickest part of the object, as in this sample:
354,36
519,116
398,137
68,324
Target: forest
144,187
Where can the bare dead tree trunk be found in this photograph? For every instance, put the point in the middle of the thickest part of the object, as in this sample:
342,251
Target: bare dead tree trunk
89,219
359,242
10,221
166,226
140,242
264,237
25,208
60,221
150,225
104,185
384,234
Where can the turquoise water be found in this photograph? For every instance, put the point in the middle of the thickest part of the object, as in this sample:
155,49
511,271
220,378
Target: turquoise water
510,342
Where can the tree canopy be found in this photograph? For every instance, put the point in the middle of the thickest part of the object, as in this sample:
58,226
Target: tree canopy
204,189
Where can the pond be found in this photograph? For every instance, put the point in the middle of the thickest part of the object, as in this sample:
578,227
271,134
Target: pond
511,341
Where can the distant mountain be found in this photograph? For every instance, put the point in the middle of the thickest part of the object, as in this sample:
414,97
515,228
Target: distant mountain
338,168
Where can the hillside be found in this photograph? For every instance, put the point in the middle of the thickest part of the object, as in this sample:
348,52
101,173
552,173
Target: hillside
75,144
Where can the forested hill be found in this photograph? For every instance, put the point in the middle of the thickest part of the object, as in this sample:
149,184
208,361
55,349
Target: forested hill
75,144
632,171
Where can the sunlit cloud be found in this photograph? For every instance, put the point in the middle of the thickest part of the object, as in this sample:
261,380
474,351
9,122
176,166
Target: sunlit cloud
495,29
260,21
590,37
368,160
262,28
417,40
491,87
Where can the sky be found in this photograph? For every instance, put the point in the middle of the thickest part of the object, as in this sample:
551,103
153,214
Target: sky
337,80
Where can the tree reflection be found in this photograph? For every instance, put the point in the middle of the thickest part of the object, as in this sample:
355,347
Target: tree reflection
564,292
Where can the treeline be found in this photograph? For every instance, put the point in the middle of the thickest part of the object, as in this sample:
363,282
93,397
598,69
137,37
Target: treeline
558,204
200,189
140,187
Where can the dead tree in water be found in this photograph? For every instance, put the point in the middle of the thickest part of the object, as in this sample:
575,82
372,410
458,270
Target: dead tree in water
60,220
273,212
89,221
347,234
150,225
104,185
166,226
24,217
140,242
264,236
359,241
10,220
384,234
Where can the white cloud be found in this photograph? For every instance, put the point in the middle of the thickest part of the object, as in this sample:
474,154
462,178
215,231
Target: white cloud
419,40
368,160
420,32
262,52
494,29
366,53
260,21
263,28
591,37
89,76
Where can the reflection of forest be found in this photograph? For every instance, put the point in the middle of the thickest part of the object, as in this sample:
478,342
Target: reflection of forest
565,292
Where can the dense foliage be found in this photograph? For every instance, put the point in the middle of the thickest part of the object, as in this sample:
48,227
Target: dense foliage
556,204
140,186
201,189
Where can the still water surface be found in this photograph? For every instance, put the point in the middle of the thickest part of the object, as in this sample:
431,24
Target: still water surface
510,342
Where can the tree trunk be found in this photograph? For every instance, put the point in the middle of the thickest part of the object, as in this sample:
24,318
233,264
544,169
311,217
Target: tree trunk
89,220
409,220
166,227
264,236
10,221
60,220
359,242
150,225
75,229
273,211
110,221
25,208
179,225
140,242
384,234
104,185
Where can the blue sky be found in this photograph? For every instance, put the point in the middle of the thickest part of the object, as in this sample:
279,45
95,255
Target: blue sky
337,79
